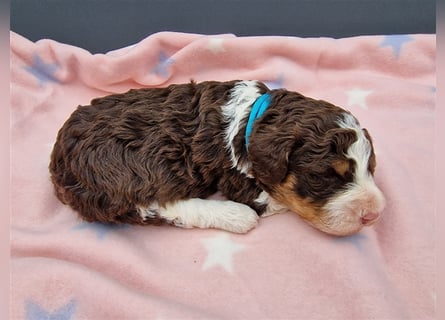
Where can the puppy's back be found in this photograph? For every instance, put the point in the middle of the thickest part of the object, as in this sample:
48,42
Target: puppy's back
130,149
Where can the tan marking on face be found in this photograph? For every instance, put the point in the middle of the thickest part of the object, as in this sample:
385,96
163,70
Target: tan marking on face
285,194
341,166
310,212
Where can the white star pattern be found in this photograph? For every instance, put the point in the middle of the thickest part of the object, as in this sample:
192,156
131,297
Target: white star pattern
216,45
358,97
220,251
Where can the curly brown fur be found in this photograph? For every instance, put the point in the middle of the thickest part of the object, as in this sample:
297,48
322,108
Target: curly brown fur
161,145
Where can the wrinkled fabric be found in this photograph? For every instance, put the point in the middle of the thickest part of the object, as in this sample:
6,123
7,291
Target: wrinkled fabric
64,268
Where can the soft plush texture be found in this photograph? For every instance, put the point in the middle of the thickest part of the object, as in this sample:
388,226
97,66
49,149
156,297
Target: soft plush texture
64,268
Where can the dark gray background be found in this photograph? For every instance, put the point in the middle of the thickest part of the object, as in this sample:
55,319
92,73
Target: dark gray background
103,25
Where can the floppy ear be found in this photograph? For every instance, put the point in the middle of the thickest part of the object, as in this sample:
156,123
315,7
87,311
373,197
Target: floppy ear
269,150
372,160
340,139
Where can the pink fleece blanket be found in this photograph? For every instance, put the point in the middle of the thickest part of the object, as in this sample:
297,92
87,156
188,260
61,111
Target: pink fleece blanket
63,268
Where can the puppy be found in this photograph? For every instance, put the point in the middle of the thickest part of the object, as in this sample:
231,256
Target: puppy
152,156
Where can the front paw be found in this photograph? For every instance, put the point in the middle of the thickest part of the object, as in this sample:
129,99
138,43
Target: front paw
226,215
181,223
238,218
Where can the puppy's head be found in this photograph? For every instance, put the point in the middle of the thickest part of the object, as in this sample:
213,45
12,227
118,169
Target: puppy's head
315,159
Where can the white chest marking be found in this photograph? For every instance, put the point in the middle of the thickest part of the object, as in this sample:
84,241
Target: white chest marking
243,96
273,207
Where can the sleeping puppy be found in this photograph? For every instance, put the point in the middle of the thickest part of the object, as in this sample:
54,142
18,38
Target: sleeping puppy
151,156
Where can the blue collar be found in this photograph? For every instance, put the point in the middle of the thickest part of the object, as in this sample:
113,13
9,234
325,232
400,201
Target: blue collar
258,108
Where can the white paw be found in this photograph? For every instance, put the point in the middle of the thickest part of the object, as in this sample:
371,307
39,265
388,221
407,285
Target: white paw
181,223
226,215
237,217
